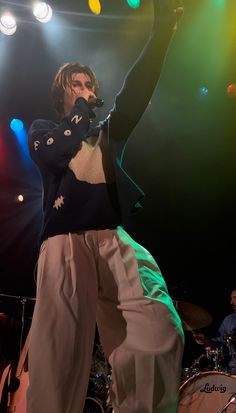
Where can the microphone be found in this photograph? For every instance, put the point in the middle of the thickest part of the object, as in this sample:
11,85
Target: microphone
95,103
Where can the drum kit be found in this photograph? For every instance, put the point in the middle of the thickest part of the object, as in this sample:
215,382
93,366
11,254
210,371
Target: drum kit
207,386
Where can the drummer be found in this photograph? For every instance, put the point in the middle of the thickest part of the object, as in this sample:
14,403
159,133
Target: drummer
226,335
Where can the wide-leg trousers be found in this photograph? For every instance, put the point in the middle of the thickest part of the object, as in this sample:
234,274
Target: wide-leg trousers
102,276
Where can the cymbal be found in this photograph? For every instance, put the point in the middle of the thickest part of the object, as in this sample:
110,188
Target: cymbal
193,316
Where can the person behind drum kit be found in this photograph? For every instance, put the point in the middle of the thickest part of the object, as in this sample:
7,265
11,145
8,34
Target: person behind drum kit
89,268
226,337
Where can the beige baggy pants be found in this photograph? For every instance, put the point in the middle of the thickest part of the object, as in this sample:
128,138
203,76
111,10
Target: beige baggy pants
102,276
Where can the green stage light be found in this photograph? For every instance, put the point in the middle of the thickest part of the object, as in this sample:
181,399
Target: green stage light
134,3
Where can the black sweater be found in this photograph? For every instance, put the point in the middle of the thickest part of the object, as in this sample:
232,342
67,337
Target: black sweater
84,184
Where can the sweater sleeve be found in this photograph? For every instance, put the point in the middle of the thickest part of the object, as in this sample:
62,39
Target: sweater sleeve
140,81
52,146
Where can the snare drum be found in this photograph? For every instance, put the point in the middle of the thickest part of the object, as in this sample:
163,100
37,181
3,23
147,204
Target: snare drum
207,392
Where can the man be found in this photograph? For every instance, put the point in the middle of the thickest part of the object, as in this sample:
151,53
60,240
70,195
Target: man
226,338
89,268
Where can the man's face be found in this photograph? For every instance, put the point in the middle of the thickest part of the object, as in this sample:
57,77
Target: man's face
233,300
81,86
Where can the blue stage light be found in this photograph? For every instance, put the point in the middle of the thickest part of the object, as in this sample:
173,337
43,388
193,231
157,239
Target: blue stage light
20,132
16,125
203,91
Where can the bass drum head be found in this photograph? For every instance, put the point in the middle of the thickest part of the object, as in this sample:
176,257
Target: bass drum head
92,406
207,392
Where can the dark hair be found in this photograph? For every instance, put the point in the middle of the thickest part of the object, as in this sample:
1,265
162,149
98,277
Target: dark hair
63,78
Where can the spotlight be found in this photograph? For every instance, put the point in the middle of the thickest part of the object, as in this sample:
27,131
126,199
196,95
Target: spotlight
203,91
95,6
16,125
43,12
7,24
231,89
20,198
134,3
20,133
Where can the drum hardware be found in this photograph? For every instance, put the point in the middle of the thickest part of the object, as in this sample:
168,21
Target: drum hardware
200,364
213,360
231,400
188,372
195,368
216,355
230,342
199,360
231,337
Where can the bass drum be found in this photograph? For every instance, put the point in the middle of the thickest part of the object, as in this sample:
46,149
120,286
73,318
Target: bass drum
207,392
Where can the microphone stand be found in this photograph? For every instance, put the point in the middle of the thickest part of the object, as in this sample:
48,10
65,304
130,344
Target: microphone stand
23,301
231,400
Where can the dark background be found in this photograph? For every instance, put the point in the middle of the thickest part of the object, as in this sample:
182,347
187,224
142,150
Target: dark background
182,153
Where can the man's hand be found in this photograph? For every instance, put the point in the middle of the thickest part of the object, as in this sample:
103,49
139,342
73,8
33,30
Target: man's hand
86,94
90,97
168,12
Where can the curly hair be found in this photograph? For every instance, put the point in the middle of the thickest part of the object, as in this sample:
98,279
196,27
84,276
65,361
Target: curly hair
63,78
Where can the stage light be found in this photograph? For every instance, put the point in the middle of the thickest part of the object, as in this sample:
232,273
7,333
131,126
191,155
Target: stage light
7,24
95,6
231,89
134,3
203,91
20,132
43,12
16,125
20,198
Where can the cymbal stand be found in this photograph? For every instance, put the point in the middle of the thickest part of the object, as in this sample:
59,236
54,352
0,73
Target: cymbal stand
197,361
23,301
215,353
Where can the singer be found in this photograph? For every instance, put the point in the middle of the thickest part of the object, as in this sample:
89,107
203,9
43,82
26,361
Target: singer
89,269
